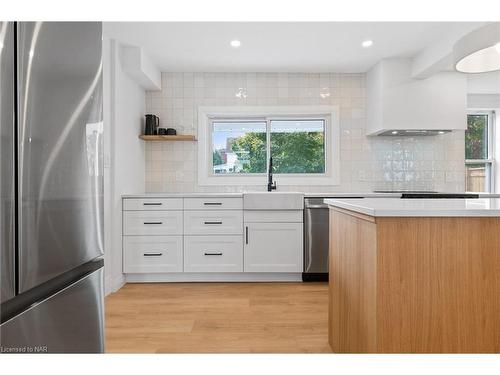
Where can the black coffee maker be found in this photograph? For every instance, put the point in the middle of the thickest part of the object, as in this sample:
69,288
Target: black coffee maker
152,125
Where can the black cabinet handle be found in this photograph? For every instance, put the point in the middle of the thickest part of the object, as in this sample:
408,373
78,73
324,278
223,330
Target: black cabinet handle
152,204
213,222
212,203
246,235
153,223
152,254
213,253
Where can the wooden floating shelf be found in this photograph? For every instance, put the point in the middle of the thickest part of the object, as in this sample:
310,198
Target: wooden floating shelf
168,138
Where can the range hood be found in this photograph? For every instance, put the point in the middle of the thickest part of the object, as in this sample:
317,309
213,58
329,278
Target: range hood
399,105
413,133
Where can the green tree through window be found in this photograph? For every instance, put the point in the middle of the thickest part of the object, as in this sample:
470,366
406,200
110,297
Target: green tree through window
302,152
297,146
476,137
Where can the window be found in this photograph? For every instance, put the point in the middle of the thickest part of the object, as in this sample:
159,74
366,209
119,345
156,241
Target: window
479,152
241,147
239,141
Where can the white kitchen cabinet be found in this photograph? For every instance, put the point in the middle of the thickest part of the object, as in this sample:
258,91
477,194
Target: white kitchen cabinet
152,254
273,247
159,223
213,254
203,239
213,203
152,204
213,222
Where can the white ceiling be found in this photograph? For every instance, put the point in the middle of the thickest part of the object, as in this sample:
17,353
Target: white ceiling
279,46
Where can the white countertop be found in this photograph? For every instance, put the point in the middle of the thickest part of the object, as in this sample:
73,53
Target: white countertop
352,194
306,195
240,194
381,207
182,195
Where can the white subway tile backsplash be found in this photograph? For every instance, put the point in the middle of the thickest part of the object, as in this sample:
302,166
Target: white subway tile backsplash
367,163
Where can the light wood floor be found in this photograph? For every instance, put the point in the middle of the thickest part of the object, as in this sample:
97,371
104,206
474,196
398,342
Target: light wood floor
218,318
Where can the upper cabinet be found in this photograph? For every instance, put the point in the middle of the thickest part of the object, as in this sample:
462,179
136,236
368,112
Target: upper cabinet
396,101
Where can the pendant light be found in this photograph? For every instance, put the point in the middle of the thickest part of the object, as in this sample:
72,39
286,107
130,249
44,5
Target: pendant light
479,51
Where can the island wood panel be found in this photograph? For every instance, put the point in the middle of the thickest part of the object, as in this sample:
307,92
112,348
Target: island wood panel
438,285
352,281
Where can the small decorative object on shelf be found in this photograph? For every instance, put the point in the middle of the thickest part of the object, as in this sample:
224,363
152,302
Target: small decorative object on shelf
180,137
151,125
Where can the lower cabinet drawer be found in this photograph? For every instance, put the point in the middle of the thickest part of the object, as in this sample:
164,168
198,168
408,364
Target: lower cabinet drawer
155,223
213,222
213,254
152,254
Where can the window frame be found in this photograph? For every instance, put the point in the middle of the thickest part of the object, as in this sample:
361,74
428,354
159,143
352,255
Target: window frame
329,114
489,162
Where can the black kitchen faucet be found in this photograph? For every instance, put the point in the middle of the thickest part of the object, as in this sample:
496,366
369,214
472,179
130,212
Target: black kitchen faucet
270,184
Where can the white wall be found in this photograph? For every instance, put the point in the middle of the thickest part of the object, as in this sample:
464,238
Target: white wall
124,154
483,90
366,163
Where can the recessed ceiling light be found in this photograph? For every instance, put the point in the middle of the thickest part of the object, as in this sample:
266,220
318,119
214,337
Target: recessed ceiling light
394,132
367,43
235,43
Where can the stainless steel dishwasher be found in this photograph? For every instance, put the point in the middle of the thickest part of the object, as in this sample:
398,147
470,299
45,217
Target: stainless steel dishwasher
316,238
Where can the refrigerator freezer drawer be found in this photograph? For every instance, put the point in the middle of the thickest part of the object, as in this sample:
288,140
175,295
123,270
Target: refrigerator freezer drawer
70,321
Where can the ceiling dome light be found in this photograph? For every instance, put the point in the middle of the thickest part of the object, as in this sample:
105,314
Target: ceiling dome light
478,51
235,43
367,43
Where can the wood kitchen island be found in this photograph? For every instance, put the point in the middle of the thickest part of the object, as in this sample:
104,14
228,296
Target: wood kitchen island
414,275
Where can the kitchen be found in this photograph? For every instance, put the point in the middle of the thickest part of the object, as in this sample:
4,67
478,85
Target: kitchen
250,201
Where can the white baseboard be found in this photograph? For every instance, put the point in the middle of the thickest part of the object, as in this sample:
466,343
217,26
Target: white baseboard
212,277
113,284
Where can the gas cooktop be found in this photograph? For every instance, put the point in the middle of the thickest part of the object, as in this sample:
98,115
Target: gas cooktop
415,194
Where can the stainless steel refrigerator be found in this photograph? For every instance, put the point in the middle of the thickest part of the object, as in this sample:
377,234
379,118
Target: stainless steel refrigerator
51,187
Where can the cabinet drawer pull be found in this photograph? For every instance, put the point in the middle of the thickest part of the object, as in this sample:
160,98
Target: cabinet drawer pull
213,253
153,223
152,254
152,204
212,203
213,222
246,235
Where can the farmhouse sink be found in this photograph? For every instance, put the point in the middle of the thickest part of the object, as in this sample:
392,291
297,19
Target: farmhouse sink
273,200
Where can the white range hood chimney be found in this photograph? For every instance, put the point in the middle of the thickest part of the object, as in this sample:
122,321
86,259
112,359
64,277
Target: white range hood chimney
399,105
